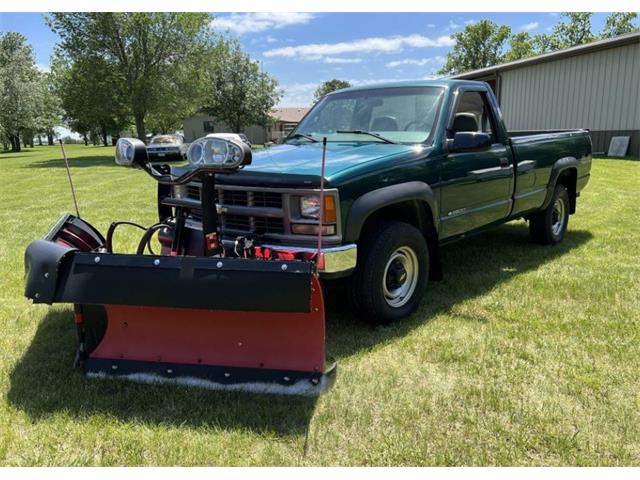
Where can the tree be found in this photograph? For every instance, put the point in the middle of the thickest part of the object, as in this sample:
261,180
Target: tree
49,111
619,23
141,51
90,97
328,87
575,31
19,91
479,45
521,46
238,92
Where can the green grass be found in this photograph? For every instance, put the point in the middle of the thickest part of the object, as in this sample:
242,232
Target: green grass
523,355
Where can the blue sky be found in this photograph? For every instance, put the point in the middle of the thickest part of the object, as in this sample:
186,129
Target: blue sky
302,50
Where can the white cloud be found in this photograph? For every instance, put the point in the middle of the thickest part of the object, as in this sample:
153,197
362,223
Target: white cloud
365,45
431,25
415,61
270,39
529,26
341,60
470,22
453,25
259,22
297,94
43,68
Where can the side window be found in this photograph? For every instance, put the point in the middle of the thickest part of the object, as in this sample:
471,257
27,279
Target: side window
473,115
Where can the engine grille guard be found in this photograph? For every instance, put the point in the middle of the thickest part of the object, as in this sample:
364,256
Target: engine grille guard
231,323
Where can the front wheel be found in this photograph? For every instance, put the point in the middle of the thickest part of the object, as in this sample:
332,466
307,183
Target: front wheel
392,273
548,226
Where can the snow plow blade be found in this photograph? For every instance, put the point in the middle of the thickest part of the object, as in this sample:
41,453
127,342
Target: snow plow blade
220,323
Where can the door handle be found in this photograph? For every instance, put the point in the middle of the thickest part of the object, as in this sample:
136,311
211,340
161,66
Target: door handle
504,162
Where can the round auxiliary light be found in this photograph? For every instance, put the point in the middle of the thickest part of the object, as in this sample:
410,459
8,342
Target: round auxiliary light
195,153
218,153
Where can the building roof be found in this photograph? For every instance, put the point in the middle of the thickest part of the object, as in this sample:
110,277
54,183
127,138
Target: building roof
289,115
626,39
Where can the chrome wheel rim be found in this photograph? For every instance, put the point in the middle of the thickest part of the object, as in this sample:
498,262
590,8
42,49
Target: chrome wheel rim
400,277
558,217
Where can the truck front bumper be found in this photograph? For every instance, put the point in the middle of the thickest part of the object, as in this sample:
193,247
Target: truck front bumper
335,262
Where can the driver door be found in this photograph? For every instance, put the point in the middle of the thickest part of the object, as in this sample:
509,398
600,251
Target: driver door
476,185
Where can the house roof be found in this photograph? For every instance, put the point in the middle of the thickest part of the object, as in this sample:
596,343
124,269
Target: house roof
289,115
628,38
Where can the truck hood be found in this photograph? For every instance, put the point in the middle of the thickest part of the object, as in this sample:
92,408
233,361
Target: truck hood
305,159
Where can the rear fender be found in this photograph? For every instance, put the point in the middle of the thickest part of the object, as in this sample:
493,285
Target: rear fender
561,166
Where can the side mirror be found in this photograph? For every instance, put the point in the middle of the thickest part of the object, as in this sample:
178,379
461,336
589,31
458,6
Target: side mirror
131,152
463,141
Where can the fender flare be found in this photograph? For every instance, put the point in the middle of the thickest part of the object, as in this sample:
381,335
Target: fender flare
372,201
560,166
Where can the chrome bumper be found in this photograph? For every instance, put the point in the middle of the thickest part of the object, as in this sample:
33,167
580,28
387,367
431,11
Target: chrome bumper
336,261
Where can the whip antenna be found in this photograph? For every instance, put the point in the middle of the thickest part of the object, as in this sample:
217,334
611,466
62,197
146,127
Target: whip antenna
321,217
73,190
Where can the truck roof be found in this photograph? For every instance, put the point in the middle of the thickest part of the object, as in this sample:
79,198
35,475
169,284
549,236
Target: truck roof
445,82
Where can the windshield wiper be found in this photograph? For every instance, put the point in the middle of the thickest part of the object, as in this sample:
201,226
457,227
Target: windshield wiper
302,135
363,132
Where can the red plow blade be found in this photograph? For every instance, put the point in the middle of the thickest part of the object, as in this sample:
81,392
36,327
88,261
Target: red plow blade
227,323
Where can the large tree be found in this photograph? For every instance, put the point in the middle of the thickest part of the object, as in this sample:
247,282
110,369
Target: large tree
141,51
619,23
238,92
19,89
328,87
479,45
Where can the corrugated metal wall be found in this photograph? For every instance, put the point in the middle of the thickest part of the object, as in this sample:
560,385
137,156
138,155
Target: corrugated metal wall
599,91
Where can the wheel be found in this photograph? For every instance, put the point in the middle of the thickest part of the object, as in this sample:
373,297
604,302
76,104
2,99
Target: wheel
391,274
548,226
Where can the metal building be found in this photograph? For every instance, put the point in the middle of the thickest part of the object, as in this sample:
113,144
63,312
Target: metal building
594,86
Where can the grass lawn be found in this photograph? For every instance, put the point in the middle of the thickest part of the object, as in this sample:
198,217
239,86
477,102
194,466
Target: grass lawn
523,355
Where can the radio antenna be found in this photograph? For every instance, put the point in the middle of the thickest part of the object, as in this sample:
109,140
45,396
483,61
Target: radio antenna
73,190
321,212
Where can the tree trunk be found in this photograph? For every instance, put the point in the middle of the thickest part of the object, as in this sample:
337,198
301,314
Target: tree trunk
86,141
104,137
50,138
142,134
15,143
40,140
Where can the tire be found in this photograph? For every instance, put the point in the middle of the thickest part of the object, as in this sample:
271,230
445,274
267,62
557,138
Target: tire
391,274
548,226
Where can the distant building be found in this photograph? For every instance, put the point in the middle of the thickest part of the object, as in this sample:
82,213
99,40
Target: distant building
284,121
594,86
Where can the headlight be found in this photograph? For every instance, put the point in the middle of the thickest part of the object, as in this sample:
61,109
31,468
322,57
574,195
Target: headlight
310,206
218,152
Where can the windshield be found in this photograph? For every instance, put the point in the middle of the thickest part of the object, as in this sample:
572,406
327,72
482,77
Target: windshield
399,114
163,139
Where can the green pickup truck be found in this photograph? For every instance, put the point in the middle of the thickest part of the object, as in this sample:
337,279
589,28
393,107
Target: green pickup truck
409,166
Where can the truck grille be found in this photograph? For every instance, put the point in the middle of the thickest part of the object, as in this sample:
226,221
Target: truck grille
240,198
235,223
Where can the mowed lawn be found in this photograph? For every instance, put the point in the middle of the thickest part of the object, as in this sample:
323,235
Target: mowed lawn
523,355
